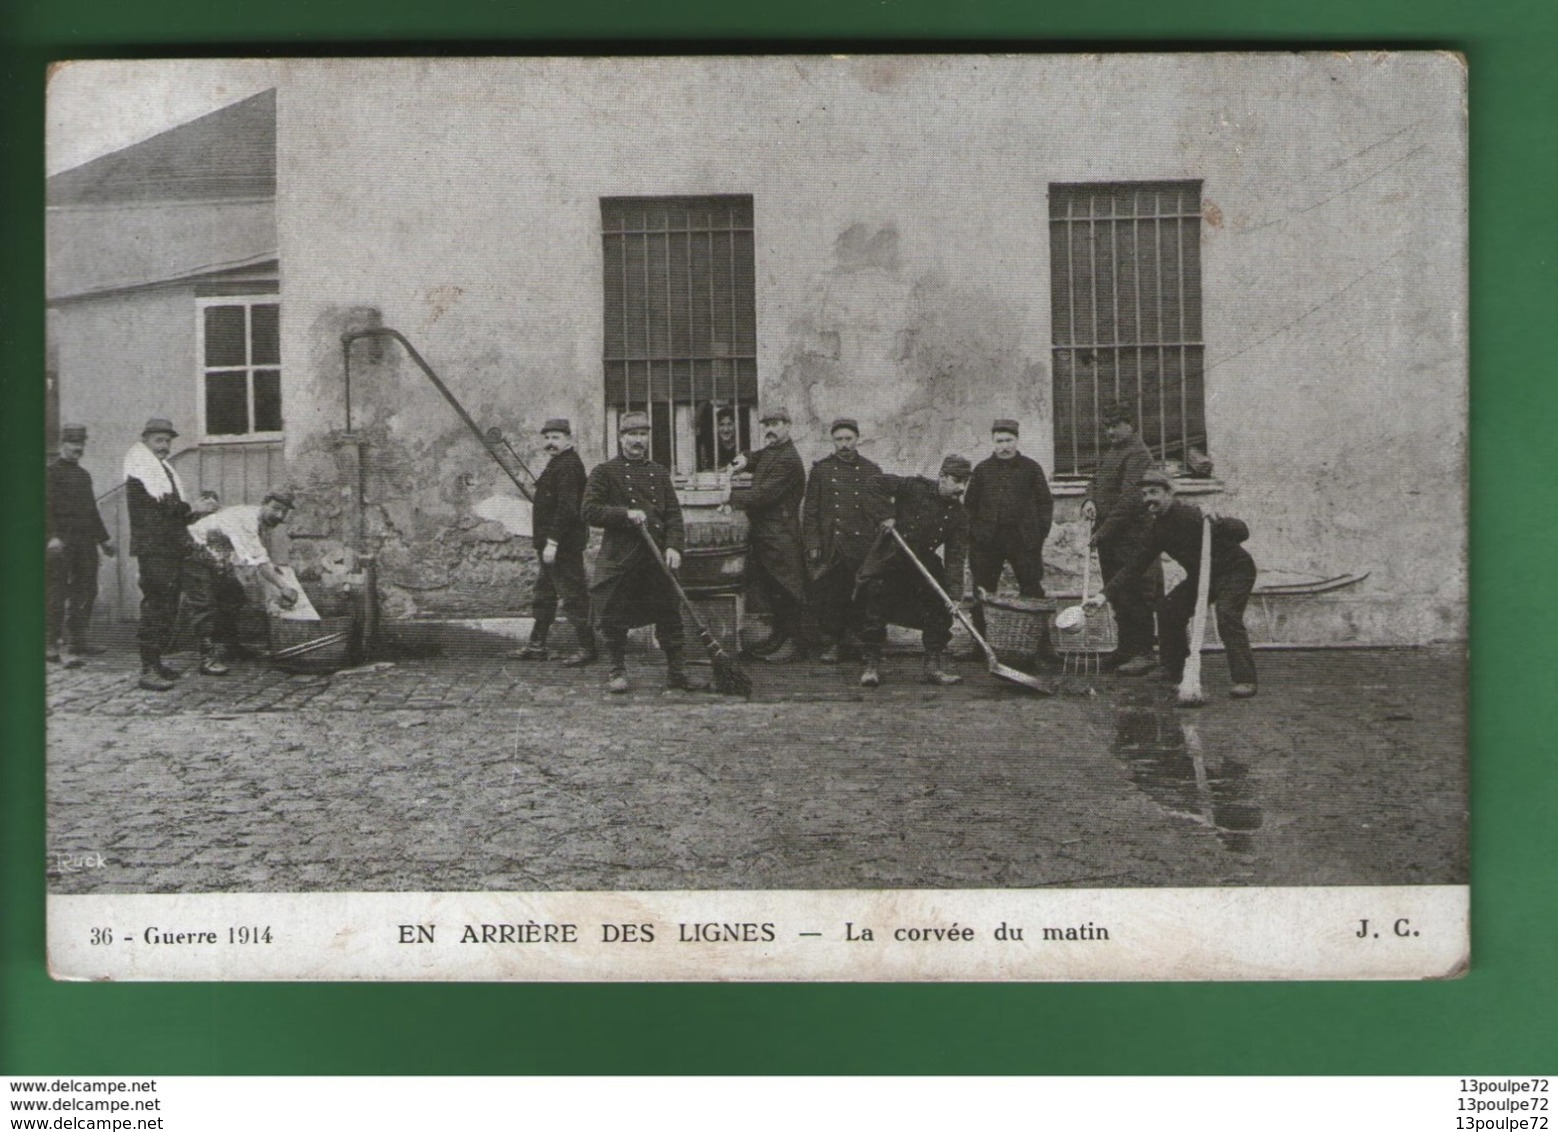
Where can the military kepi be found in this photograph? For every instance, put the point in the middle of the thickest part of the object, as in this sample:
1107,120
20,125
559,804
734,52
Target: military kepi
558,424
285,498
957,467
1004,424
633,422
779,414
845,422
1155,477
74,433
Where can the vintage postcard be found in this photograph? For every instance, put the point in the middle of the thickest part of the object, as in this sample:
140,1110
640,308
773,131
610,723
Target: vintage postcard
783,518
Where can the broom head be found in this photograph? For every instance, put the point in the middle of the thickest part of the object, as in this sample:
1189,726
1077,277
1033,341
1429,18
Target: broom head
730,679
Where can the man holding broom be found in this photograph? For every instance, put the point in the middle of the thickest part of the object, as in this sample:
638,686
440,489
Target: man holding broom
928,515
626,495
1175,530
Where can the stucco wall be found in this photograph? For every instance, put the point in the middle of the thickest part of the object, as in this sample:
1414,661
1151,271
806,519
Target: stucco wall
902,257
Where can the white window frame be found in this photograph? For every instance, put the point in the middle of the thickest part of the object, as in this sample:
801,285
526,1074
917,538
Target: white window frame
248,302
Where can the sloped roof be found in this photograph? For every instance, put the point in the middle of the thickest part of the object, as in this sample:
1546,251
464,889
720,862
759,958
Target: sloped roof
227,154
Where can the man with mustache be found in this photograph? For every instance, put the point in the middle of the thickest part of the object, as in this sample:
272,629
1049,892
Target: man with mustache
773,506
625,494
160,514
560,537
928,514
1175,530
1010,512
1114,508
839,522
226,542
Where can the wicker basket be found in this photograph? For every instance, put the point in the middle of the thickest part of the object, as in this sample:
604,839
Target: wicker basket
312,646
1016,627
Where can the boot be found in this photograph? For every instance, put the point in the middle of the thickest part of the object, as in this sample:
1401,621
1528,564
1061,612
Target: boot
832,654
676,675
769,644
585,654
80,647
1137,666
536,648
167,671
616,650
934,674
154,681
785,653
211,661
870,675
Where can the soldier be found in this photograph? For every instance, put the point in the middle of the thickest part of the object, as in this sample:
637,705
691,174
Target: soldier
623,495
560,537
1010,511
773,507
75,533
927,514
1120,521
227,542
838,524
160,515
1176,531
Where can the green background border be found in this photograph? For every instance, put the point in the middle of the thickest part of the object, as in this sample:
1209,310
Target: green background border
1496,1020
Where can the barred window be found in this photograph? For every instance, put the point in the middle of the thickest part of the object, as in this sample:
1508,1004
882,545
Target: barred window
1125,286
239,343
681,323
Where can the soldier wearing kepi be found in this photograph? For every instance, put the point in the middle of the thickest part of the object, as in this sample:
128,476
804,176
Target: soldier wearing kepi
560,537
838,525
928,515
1176,531
75,533
623,495
1010,512
1120,521
773,507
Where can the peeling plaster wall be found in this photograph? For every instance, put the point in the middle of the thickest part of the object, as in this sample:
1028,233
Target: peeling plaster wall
902,255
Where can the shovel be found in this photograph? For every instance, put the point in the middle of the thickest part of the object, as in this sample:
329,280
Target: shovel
996,668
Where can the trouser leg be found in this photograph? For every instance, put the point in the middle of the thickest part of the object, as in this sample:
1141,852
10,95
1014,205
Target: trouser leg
230,600
985,563
543,604
573,588
1174,614
1231,594
200,583
1133,607
873,618
80,589
160,579
58,595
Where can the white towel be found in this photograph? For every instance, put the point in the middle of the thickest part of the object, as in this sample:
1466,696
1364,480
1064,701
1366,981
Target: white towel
304,609
156,476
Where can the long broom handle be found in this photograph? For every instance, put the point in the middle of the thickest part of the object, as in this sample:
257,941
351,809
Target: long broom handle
952,607
659,556
1203,592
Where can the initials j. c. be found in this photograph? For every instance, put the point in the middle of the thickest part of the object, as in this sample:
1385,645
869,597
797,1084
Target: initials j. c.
1402,928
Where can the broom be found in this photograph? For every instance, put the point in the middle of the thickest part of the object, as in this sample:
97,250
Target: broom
729,677
1190,693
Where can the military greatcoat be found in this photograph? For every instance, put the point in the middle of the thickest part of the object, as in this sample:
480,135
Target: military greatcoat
841,513
773,507
628,587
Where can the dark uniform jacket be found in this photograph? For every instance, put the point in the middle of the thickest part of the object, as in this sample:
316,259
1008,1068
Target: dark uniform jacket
1010,493
72,515
926,520
555,509
613,489
773,507
159,528
1115,492
1177,533
842,510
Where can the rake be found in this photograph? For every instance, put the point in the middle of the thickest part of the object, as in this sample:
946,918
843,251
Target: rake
730,679
993,663
1086,636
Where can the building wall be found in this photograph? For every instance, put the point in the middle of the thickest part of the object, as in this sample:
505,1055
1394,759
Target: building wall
902,256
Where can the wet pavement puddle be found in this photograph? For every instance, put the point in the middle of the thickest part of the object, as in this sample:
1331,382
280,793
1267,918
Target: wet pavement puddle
1167,759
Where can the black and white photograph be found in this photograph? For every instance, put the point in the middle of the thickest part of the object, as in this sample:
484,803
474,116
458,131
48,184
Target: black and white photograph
879,517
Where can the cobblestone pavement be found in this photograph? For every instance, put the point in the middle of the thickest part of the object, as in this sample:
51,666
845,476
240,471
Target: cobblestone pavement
474,772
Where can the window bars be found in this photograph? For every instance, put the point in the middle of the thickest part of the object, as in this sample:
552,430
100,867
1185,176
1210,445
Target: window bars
1125,276
681,322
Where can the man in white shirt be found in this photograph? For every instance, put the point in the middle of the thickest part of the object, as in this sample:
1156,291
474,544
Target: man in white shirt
227,542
